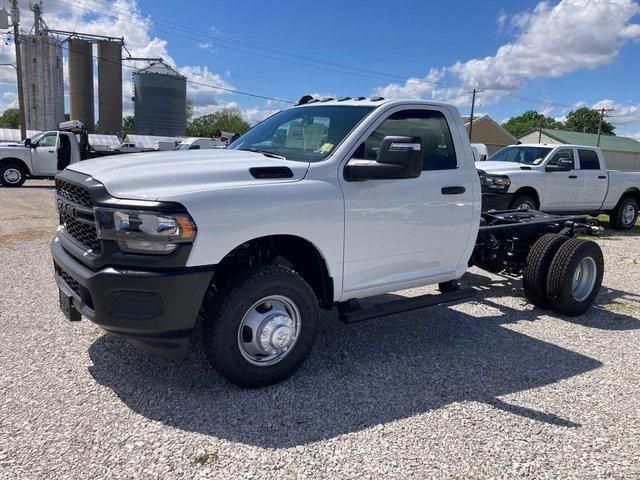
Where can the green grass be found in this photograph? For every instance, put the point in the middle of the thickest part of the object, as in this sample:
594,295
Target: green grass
605,219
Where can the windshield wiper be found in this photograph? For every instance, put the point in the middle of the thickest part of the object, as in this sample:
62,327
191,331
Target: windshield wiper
266,153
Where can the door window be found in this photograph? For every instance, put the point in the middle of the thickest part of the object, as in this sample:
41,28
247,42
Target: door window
562,154
48,140
588,160
438,151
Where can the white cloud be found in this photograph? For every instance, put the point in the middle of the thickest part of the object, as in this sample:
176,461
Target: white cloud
255,115
622,114
635,136
550,41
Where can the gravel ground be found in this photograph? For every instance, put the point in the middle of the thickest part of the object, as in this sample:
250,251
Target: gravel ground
490,388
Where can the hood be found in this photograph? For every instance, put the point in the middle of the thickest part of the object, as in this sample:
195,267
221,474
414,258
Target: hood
495,167
162,175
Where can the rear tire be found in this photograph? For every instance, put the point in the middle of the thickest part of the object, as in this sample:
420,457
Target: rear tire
625,215
524,200
575,276
534,277
12,175
252,313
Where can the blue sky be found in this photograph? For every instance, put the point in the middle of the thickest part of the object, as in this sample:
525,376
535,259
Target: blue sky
561,54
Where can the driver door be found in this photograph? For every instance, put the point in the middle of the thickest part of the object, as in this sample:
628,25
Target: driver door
44,155
407,231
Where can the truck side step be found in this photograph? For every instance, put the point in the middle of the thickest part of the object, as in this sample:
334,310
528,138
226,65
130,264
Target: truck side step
351,315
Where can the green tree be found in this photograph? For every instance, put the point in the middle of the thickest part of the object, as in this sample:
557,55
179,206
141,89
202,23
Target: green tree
128,125
227,119
10,118
528,121
189,108
586,120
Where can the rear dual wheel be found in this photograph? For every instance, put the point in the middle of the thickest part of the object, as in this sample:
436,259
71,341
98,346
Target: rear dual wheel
563,274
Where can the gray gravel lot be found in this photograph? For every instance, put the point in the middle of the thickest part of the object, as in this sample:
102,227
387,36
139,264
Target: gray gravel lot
490,388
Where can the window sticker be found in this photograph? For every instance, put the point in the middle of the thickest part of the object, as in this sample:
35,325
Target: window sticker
326,148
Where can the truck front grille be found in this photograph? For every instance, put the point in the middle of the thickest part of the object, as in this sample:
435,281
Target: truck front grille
75,207
74,193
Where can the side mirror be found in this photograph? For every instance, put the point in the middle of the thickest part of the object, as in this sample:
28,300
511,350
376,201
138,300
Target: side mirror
563,165
398,157
483,158
27,142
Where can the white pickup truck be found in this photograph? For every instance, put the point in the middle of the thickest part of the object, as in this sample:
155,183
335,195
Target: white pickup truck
560,179
316,207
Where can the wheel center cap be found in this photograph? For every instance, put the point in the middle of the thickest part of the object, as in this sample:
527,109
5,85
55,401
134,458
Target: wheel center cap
277,333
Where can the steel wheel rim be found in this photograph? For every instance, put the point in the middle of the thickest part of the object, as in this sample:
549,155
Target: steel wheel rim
628,215
12,175
584,279
269,330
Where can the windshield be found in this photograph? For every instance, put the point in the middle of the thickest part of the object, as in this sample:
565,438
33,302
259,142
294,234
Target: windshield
307,134
35,138
526,155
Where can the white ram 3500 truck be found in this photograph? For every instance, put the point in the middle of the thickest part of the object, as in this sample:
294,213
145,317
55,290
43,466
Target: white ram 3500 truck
560,179
318,206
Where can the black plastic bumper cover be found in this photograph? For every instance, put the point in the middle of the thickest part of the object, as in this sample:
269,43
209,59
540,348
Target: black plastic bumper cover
496,201
157,311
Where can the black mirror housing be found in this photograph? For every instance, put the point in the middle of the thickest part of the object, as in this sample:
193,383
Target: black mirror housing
27,142
563,165
398,157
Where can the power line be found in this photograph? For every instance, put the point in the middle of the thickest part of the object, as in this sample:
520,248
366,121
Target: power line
219,41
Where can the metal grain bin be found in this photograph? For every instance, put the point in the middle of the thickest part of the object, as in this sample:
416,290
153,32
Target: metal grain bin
109,87
160,99
81,82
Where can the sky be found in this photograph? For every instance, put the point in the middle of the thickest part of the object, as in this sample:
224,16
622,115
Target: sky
550,56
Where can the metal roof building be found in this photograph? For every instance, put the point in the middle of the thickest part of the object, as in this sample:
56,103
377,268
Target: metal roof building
620,153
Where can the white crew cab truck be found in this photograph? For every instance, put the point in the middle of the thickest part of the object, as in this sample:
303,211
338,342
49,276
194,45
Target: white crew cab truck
317,206
560,179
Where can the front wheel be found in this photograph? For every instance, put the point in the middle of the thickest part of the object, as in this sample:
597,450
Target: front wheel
12,175
259,328
524,202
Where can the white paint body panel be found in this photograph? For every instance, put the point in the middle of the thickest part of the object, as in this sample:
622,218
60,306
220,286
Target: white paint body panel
558,193
40,161
392,241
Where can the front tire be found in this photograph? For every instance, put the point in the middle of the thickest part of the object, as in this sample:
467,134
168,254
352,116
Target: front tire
259,328
524,201
625,215
12,175
575,276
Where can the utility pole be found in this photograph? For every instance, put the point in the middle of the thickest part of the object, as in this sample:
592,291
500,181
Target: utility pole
473,105
603,112
15,19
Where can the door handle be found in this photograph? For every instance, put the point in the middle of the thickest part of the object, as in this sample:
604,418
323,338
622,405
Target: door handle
458,190
602,176
50,151
573,176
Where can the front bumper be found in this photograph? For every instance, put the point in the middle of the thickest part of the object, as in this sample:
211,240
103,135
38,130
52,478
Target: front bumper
156,310
496,201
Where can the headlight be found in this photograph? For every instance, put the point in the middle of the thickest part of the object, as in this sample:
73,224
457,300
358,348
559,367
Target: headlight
145,231
495,182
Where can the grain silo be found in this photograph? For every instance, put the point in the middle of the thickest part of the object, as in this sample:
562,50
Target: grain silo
160,101
42,81
81,81
109,87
